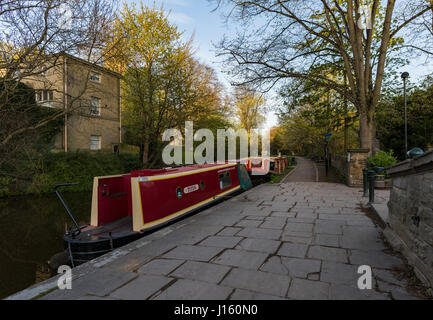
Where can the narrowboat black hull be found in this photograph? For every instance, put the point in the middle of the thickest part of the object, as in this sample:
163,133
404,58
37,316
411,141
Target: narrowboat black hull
84,251
82,248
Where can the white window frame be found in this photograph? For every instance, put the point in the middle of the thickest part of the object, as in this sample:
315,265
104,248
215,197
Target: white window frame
95,110
45,98
98,140
43,72
95,77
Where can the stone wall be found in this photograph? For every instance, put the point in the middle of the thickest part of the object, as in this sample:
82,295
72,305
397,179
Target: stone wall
82,124
67,78
410,222
351,166
339,162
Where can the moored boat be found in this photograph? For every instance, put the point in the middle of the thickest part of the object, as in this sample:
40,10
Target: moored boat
127,207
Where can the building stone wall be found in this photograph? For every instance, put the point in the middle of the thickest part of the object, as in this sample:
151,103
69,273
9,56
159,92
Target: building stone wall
82,124
358,161
410,222
352,169
68,78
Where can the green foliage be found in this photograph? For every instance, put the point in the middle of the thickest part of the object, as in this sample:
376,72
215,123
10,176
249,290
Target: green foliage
163,85
4,186
382,159
20,111
81,167
390,120
310,112
249,108
276,178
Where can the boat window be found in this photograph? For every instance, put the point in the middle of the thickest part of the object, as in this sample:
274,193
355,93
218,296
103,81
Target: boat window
179,192
225,180
202,185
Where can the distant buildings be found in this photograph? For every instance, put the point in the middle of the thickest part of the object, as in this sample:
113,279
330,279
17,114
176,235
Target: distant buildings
91,94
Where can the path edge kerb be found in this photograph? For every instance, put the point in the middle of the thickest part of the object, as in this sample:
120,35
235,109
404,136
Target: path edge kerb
40,289
289,174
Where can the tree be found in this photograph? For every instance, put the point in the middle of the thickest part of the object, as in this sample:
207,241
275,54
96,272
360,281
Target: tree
150,56
390,119
21,110
249,108
33,37
310,112
358,39
278,143
326,107
163,84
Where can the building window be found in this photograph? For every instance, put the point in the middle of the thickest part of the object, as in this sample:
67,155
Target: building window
95,106
45,98
43,71
95,142
95,77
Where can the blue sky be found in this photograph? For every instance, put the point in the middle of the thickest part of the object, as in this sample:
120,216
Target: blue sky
196,17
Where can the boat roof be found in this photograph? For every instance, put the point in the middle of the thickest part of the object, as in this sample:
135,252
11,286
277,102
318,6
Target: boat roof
180,169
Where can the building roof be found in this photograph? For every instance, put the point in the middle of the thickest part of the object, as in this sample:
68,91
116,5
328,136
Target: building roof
93,65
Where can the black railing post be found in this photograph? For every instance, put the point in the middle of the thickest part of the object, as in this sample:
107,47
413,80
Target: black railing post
78,230
380,173
365,182
371,179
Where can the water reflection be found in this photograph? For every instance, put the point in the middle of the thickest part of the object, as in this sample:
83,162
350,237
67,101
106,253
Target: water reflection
31,232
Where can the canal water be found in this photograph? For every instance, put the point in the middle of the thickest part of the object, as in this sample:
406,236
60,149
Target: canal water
31,232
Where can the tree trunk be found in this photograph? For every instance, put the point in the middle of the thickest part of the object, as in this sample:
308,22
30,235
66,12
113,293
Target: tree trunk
367,131
145,152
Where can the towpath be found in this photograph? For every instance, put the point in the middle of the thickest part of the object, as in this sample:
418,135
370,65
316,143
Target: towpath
305,171
294,240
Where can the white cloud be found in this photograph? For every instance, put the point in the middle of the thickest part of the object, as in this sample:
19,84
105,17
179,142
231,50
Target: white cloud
181,3
180,18
174,3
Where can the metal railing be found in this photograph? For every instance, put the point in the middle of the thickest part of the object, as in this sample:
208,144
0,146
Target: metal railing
369,179
77,231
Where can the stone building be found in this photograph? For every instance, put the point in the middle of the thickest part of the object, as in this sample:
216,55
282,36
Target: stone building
90,93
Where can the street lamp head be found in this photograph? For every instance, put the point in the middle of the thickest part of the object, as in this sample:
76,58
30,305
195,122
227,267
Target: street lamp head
405,75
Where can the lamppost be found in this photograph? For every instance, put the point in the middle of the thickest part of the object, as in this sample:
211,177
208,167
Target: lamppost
404,76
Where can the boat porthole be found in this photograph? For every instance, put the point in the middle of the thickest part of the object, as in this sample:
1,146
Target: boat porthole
202,185
179,192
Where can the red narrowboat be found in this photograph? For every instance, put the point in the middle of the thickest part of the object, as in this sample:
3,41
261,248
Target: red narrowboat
127,207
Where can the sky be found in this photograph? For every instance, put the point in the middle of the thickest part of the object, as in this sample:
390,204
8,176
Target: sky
196,17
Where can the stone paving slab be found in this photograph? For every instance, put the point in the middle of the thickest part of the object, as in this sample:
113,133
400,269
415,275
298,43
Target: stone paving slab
258,281
294,240
142,288
308,290
194,290
160,266
259,245
221,242
242,258
197,253
206,272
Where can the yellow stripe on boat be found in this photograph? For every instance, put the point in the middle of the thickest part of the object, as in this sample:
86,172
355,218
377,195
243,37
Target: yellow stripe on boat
187,173
179,213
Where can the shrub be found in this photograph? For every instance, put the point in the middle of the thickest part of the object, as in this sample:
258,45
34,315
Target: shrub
4,186
80,167
382,159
